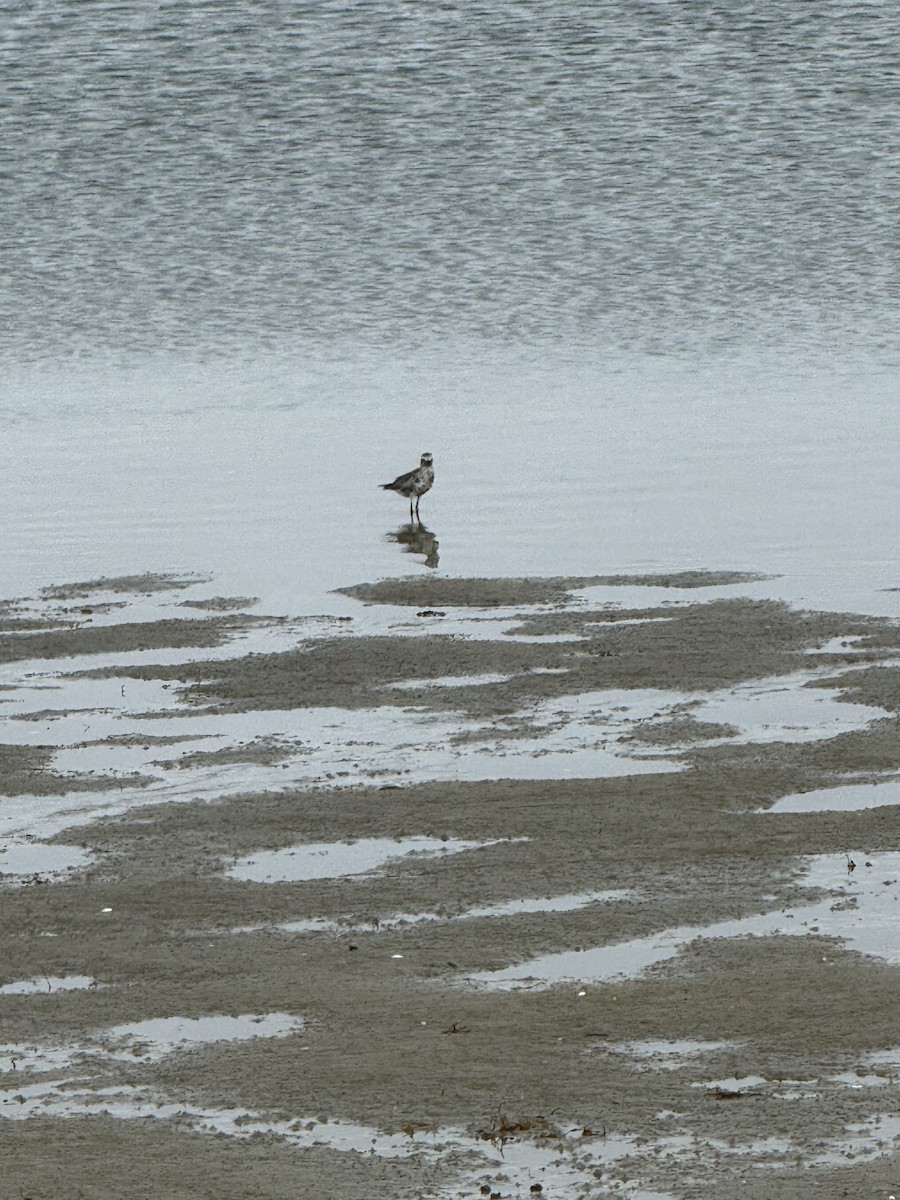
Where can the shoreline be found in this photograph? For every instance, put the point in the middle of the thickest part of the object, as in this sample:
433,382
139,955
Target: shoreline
695,717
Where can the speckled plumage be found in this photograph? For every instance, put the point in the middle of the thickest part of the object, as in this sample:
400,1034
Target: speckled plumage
414,484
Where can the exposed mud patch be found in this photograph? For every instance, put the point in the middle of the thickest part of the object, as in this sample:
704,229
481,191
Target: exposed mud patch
221,603
696,648
397,1070
437,592
259,750
28,770
121,638
140,585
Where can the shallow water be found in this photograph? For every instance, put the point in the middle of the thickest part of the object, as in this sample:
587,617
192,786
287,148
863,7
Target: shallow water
559,470
338,859
628,272
48,984
155,1038
862,910
851,797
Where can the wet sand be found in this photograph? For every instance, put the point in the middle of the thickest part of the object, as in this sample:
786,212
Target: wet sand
763,1065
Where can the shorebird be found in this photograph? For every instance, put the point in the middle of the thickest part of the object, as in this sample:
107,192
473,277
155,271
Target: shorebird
414,484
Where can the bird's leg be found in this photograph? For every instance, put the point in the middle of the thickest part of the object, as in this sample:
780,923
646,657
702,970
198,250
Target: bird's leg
410,510
418,498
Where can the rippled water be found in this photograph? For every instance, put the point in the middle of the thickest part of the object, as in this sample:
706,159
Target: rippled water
191,175
630,270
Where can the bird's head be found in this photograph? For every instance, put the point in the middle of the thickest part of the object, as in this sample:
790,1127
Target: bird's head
426,460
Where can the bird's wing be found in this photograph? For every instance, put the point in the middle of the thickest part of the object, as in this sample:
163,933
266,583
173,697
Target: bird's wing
402,480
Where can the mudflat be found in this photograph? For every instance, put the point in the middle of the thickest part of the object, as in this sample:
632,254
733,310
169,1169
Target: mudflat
500,885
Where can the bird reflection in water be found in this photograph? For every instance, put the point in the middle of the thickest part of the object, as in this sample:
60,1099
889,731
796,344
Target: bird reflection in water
416,539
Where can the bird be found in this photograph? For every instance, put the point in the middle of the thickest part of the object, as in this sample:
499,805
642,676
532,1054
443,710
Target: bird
414,484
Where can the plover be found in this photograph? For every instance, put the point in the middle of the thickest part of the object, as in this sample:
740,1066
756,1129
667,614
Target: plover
414,484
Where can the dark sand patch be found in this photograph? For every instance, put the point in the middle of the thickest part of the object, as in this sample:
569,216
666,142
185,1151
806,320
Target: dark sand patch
100,1157
147,739
122,638
220,603
681,730
439,592
877,685
264,750
139,585
684,579
26,770
93,608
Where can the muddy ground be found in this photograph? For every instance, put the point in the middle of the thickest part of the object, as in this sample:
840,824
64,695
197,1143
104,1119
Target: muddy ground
397,1036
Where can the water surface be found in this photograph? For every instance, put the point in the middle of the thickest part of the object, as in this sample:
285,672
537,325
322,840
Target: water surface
629,271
